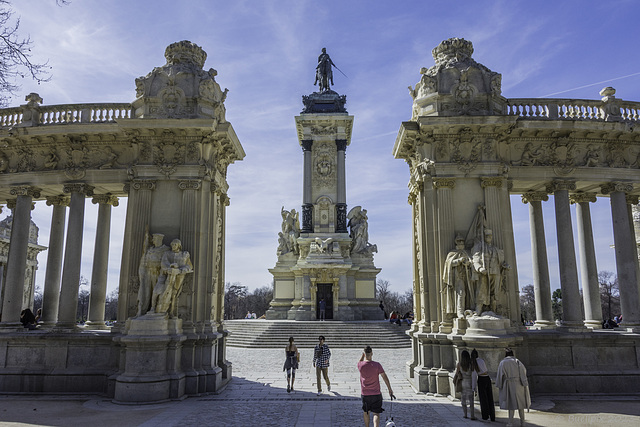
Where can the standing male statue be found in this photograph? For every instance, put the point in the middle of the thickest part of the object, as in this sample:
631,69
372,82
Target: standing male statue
175,264
488,265
149,270
324,73
457,278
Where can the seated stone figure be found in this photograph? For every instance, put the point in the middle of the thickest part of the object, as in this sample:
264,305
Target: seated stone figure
175,265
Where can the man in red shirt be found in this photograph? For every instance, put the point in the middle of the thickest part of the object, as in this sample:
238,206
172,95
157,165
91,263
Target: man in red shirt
370,387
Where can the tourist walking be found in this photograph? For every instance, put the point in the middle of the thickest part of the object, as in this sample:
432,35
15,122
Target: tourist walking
322,306
292,358
485,391
463,368
370,387
321,356
513,385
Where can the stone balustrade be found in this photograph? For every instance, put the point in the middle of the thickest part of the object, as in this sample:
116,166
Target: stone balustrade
572,109
64,114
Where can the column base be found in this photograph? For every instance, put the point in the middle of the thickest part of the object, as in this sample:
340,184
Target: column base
95,325
630,327
593,324
11,327
544,324
572,327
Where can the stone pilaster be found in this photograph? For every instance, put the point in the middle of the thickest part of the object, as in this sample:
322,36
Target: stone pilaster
189,221
444,188
626,260
54,260
572,317
341,146
68,304
588,266
98,293
491,187
540,264
17,257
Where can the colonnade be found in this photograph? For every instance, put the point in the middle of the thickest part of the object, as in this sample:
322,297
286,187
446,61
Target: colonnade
573,318
62,277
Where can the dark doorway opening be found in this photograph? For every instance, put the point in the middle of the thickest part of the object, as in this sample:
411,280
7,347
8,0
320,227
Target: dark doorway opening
325,291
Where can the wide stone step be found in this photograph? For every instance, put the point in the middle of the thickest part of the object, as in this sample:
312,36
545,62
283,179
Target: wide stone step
339,334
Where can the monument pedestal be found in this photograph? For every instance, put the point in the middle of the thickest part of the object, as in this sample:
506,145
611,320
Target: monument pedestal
152,356
487,324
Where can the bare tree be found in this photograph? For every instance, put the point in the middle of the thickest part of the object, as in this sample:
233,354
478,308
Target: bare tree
556,304
15,54
111,306
609,294
528,303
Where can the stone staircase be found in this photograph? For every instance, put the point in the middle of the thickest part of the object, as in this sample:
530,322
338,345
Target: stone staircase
258,333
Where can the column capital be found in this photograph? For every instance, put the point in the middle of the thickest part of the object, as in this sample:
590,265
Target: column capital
612,187
78,187
225,199
561,185
582,197
60,200
105,199
632,199
341,144
492,181
140,184
190,184
535,196
306,144
25,190
449,183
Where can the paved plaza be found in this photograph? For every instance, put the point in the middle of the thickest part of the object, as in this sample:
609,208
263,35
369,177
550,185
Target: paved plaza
257,396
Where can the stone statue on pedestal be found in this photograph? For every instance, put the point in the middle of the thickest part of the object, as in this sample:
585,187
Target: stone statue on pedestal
324,73
359,231
149,270
175,264
488,268
458,295
288,238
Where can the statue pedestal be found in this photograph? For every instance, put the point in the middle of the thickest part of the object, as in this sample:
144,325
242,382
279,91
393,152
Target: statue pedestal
152,373
487,324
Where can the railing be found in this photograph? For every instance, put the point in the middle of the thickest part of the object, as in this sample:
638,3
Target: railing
573,109
64,114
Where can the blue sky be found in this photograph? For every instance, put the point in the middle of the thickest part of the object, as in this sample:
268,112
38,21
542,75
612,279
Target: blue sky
266,52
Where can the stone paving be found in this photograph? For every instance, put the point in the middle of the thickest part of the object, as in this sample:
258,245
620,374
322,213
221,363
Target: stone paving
257,396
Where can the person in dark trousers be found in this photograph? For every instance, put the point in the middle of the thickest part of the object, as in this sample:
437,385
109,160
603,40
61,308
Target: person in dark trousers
370,387
321,356
485,392
322,305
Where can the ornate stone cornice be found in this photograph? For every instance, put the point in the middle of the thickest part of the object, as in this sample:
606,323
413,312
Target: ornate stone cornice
582,197
341,144
632,199
25,190
78,187
492,181
58,201
561,185
439,183
307,144
190,184
535,196
105,199
612,187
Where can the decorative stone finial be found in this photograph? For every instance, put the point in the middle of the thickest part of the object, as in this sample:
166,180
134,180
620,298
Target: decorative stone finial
185,52
33,99
607,91
453,49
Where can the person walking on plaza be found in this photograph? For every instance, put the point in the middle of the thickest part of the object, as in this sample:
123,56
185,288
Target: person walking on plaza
321,356
513,385
292,357
464,369
370,387
322,306
485,392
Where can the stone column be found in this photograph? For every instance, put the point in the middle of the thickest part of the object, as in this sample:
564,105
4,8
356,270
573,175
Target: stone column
626,259
188,231
341,204
588,266
97,297
572,317
632,202
17,257
430,258
54,260
307,201
541,282
418,280
68,305
444,188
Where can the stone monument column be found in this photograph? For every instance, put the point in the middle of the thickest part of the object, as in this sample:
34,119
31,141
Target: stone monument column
341,204
444,188
632,201
17,257
571,306
626,260
540,264
97,297
588,266
307,198
189,230
138,217
68,305
418,281
54,260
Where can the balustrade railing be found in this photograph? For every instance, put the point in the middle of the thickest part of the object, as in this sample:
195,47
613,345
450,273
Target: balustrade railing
573,109
43,115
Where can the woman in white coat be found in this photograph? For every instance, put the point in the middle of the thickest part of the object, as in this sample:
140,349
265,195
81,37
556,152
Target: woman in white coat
513,385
